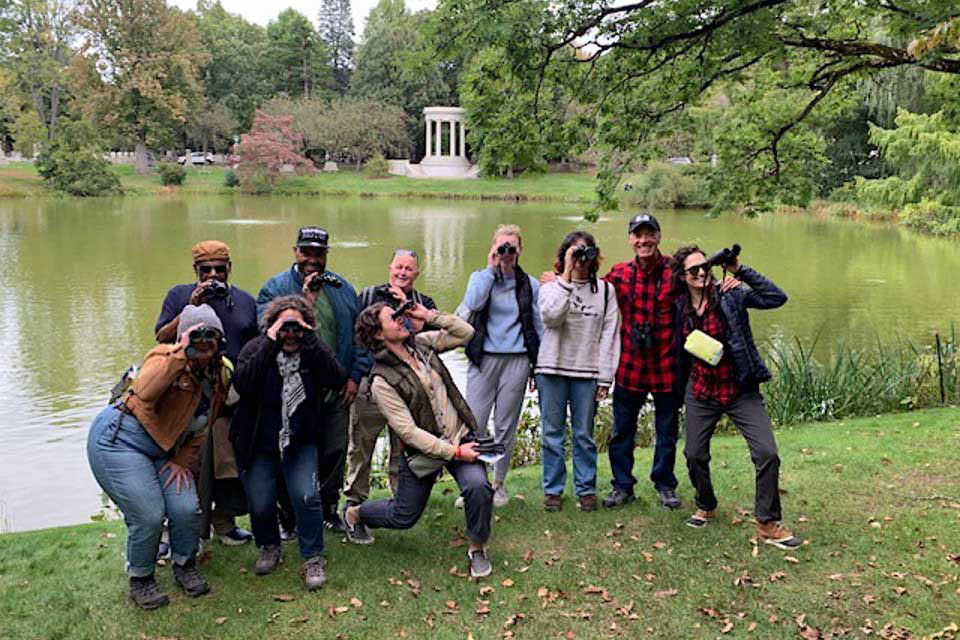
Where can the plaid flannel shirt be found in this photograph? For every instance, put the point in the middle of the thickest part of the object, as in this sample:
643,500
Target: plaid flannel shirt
715,384
645,369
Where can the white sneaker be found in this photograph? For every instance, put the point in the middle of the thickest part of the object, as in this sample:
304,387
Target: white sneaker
458,503
500,498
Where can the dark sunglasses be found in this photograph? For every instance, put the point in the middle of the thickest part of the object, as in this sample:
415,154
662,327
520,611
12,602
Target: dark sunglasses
405,252
218,268
703,266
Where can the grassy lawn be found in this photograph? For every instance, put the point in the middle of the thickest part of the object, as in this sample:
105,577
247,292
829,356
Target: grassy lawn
876,499
20,179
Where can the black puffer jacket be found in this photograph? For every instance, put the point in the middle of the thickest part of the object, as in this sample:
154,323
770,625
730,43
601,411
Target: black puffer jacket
756,292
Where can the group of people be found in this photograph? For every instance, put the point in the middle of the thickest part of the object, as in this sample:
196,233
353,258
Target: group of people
273,406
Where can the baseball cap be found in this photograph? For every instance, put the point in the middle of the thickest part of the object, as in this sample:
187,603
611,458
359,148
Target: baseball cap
313,237
642,219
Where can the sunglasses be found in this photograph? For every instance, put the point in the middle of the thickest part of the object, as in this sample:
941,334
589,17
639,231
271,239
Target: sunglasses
703,266
206,268
405,252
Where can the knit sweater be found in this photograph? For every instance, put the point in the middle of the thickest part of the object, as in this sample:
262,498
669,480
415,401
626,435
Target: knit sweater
581,337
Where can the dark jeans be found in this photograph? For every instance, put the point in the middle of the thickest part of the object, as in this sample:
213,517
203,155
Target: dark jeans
332,450
405,508
749,414
626,410
299,472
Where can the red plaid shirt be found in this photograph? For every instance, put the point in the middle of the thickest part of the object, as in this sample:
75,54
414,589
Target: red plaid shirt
716,384
645,369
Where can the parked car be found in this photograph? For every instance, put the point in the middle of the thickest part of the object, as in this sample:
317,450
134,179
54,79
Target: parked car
197,158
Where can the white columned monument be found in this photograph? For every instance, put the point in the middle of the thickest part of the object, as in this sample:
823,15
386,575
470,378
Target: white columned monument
446,147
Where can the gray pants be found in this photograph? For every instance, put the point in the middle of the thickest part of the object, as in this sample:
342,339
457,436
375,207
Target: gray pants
749,414
498,384
366,424
407,505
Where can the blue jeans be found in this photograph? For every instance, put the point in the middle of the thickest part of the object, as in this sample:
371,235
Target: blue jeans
126,463
626,409
299,472
556,392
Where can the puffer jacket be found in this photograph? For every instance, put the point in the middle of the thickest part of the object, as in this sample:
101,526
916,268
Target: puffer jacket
756,292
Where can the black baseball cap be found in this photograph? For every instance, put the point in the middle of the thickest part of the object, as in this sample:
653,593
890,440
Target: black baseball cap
642,219
313,237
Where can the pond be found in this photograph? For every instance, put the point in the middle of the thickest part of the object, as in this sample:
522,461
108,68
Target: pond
82,282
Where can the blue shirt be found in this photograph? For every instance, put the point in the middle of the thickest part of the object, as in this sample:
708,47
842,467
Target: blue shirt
237,313
504,332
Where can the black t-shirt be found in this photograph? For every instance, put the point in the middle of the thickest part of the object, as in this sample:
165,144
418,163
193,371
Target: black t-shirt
237,313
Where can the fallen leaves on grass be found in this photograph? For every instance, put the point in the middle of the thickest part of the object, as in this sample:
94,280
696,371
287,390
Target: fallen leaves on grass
507,583
220,620
513,619
666,593
777,575
356,603
528,557
283,597
299,620
482,608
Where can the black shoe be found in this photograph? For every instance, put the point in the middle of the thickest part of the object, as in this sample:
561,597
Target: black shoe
668,498
190,579
356,533
333,522
146,593
618,497
235,537
287,535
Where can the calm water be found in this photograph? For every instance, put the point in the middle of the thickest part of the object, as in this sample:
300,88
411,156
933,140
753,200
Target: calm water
82,282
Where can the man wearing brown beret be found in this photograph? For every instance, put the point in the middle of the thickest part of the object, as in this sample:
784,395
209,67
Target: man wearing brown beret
218,482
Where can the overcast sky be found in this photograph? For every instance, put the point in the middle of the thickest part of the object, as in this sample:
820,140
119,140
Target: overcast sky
263,12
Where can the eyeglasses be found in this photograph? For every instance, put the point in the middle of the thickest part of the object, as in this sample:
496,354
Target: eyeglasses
405,252
703,266
206,268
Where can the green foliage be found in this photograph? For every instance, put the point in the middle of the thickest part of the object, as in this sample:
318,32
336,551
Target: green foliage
377,166
28,132
231,179
73,162
335,30
663,185
296,57
171,173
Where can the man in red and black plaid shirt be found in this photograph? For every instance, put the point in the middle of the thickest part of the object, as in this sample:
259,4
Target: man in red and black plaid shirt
646,363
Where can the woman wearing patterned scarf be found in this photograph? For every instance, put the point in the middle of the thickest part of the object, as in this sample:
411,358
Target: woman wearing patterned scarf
279,378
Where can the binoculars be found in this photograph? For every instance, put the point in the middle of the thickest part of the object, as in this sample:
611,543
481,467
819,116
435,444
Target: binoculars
204,333
725,257
324,279
584,253
402,309
507,248
216,290
292,326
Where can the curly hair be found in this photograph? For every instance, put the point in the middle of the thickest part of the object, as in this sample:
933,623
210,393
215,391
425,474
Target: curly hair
572,238
279,305
677,272
367,325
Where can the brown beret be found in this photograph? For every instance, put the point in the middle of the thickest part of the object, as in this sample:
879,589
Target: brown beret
210,250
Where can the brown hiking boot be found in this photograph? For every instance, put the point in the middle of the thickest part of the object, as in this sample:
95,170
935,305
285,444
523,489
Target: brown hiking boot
313,573
147,593
552,502
587,503
774,533
700,518
268,560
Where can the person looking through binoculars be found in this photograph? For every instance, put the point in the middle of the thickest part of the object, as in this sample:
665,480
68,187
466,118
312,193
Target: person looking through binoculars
416,394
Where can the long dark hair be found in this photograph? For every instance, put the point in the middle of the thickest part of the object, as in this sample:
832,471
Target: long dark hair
679,283
572,238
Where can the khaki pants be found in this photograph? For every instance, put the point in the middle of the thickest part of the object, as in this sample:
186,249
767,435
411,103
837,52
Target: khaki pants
366,424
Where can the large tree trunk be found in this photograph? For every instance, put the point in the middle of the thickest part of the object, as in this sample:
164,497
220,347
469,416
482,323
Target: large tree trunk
140,153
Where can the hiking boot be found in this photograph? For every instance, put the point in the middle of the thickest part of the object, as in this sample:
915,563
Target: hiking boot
552,502
357,533
313,574
500,498
587,503
268,560
480,565
333,522
617,497
146,593
668,498
192,582
458,503
235,537
700,518
774,533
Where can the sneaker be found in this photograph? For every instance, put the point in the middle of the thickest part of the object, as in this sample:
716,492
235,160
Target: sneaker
268,560
333,522
774,533
617,498
480,565
236,537
552,502
146,593
357,533
668,498
587,503
287,534
163,550
313,573
700,518
192,582
458,503
500,498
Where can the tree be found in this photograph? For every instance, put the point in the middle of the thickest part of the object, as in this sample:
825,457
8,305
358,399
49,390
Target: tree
212,126
138,67
73,162
667,55
269,149
296,58
335,30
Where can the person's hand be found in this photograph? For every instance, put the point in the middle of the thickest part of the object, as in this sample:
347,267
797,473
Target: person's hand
568,264
398,293
493,258
547,277
419,312
306,292
728,283
602,393
185,336
349,393
735,266
196,298
468,453
182,476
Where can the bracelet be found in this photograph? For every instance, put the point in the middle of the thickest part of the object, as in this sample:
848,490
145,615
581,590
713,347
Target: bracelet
456,454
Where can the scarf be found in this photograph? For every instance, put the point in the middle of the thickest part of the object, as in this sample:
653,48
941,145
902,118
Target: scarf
293,393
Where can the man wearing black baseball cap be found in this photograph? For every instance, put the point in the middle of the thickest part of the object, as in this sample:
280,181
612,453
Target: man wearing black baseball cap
335,302
646,363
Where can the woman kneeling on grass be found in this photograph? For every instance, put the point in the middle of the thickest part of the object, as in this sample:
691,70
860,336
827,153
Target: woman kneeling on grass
731,386
417,396
141,448
280,378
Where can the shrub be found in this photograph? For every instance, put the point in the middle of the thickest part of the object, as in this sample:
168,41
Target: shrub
270,149
664,185
171,174
231,179
377,167
73,162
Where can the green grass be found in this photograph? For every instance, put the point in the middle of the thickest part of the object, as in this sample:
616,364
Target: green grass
877,498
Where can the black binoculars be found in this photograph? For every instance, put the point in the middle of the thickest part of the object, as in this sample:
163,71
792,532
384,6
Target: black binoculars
204,333
585,253
292,326
508,248
216,290
725,257
324,279
402,309
642,336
